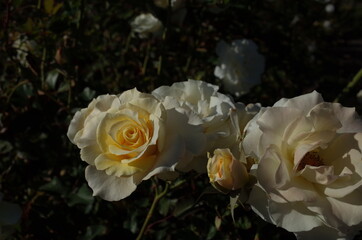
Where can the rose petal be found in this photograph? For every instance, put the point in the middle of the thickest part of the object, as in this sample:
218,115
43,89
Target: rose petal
90,153
351,121
251,143
304,102
110,188
301,218
348,209
273,123
258,200
322,175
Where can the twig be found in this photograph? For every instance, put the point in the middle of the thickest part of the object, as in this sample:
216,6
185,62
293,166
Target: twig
349,86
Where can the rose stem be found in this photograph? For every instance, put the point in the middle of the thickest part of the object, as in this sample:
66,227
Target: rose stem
157,197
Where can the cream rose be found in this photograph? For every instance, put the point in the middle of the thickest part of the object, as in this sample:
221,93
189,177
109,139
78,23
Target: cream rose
146,24
129,138
204,106
309,167
226,173
240,65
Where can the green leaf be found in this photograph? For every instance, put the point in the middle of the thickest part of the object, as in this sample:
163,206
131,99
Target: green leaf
26,90
63,87
88,94
83,196
244,223
48,6
131,223
183,205
54,185
94,231
5,147
29,25
217,222
208,190
164,206
56,8
233,201
212,232
51,79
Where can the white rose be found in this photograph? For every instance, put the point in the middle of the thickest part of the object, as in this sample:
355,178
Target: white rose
203,105
241,66
146,24
310,167
129,138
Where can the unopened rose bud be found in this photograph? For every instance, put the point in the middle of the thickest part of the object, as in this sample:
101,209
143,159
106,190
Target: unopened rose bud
226,173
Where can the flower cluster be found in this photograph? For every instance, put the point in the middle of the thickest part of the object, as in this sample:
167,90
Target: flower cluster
297,163
133,136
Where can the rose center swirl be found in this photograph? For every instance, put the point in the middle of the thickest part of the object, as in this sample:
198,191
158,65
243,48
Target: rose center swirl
312,159
131,137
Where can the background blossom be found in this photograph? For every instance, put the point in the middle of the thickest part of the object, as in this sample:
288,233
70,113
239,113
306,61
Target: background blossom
146,24
240,65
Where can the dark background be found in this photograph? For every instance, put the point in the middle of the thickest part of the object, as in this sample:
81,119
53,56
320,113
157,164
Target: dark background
86,48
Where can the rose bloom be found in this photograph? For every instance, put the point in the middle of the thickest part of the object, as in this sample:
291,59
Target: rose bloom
129,138
146,24
226,173
204,106
240,65
309,167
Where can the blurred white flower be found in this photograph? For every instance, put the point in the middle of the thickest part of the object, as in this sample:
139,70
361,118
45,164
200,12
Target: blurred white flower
23,47
146,24
240,65
329,8
327,24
